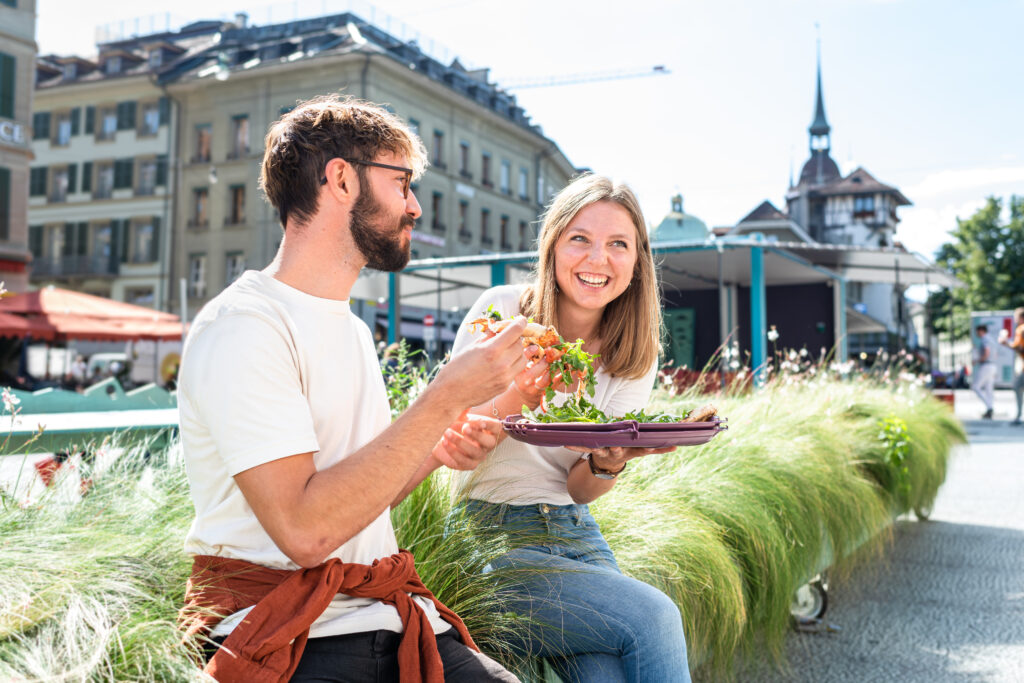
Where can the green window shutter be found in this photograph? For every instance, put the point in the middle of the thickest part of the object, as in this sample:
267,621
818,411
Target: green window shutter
126,226
82,243
5,203
124,169
161,170
125,115
72,178
67,249
6,86
165,111
87,176
37,181
76,121
115,242
90,120
41,125
35,240
154,242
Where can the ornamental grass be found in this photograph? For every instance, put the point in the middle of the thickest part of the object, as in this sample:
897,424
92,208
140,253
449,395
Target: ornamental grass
809,475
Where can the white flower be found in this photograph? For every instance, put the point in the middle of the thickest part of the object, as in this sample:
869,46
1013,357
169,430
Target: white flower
3,290
9,399
803,352
773,334
734,365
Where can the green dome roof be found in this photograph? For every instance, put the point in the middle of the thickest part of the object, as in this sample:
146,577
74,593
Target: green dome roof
678,226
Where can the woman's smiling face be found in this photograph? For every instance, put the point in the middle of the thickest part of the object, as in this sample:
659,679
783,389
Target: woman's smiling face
595,256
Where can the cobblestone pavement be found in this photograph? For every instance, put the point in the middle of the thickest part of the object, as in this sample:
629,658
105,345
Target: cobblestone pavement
947,601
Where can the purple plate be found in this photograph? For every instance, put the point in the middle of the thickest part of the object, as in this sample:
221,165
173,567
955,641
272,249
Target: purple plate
626,433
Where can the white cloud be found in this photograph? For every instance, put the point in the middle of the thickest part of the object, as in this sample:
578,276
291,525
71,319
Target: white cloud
926,227
989,180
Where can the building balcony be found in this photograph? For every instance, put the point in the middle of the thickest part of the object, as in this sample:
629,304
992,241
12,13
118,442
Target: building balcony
487,183
239,153
437,226
74,266
198,224
486,239
466,174
465,236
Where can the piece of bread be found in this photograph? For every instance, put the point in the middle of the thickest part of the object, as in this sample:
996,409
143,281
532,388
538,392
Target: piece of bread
702,414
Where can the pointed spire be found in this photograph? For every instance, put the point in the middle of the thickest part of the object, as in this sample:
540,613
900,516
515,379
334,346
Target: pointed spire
820,124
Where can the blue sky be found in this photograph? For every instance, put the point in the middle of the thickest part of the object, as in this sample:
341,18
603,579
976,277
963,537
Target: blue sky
926,95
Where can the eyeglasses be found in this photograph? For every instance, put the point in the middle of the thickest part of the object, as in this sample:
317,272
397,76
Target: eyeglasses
405,181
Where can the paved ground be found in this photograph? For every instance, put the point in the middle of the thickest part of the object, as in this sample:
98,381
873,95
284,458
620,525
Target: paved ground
947,603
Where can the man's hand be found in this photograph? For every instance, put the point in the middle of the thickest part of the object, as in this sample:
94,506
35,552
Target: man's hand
467,441
485,369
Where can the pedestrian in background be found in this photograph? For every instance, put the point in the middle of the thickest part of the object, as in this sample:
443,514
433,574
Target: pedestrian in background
984,378
1017,344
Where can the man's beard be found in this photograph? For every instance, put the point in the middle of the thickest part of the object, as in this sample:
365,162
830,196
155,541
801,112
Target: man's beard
381,246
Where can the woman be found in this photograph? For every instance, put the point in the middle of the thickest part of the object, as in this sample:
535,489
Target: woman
595,280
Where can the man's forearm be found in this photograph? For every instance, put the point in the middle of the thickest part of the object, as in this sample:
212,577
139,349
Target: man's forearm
340,501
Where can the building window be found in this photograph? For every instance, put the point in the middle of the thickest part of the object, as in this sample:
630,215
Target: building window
140,296
108,124
234,266
863,206
113,65
7,71
104,180
200,199
156,57
505,180
524,236
143,243
464,233
414,126
204,140
62,131
485,170
197,276
147,177
236,212
436,220
70,71
239,137
59,185
524,184
464,160
150,119
5,203
506,242
37,181
102,244
485,226
437,156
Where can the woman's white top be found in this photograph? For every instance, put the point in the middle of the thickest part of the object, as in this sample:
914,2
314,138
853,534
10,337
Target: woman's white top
523,474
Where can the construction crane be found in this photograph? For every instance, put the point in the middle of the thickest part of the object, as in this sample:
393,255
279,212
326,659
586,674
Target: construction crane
573,79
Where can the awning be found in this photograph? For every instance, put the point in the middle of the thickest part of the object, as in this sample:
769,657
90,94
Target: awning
59,314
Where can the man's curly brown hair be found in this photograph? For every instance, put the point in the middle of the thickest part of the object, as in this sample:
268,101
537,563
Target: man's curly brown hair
301,143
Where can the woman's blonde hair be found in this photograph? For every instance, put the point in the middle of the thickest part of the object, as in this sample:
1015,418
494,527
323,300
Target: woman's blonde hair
630,330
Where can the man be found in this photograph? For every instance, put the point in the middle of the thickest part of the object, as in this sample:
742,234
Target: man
292,464
984,380
1016,342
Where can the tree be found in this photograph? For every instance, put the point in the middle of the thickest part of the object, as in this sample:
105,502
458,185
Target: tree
987,255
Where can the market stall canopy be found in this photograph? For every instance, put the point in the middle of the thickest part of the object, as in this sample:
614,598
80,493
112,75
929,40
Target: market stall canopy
18,326
59,314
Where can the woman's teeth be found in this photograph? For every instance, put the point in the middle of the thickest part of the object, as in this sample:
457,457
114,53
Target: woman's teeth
593,280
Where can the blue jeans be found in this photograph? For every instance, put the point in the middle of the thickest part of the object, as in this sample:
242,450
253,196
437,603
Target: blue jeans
592,622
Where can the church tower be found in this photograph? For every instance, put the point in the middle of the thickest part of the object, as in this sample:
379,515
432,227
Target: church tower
820,169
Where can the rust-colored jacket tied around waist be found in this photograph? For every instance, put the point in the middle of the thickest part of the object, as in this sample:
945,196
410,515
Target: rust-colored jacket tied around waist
267,645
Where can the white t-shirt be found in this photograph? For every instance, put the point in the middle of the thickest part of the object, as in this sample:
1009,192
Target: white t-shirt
268,372
523,474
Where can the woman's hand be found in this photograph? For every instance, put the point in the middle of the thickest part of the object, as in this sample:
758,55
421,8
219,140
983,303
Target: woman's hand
615,458
530,384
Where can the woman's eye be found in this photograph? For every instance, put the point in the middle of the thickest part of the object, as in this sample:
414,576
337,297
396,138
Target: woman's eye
577,238
620,243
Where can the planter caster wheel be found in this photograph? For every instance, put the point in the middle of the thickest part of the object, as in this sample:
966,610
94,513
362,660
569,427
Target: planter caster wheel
923,512
810,601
